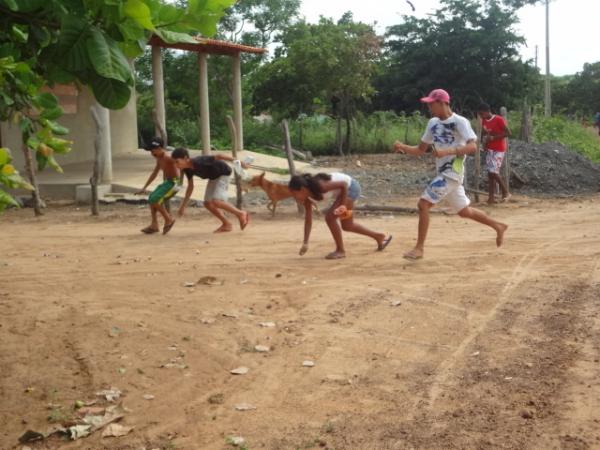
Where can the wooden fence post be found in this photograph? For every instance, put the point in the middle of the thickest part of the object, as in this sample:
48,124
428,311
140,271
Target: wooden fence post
506,168
234,147
478,158
287,145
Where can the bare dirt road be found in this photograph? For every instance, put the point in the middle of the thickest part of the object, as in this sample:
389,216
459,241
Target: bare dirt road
472,347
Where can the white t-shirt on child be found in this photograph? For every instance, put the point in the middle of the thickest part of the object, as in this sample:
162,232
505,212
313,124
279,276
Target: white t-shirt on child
453,132
338,176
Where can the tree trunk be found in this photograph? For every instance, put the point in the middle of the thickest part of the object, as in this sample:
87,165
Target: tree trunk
526,123
348,134
35,195
96,168
339,140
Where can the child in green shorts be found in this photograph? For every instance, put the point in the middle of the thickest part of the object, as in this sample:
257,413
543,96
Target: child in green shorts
167,189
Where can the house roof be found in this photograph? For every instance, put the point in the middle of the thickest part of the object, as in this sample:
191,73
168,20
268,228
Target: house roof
210,46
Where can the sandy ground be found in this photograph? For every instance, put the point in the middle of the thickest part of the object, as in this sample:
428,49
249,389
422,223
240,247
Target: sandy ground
486,349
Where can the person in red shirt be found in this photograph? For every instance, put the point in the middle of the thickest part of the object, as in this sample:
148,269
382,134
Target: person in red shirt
495,135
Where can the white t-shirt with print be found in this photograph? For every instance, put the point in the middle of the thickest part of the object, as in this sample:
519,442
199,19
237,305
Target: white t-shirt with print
453,132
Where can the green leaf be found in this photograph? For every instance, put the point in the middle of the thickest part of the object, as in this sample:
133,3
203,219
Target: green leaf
14,181
42,161
46,100
57,128
131,31
5,157
111,94
132,49
57,74
7,200
72,51
54,164
52,113
172,37
59,145
139,11
19,35
12,4
27,6
107,58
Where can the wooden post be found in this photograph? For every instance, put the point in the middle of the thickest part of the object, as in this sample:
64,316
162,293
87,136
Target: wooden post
526,123
234,146
237,101
204,103
506,167
159,94
478,158
35,195
287,145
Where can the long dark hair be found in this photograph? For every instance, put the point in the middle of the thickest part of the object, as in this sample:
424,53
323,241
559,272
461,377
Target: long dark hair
310,182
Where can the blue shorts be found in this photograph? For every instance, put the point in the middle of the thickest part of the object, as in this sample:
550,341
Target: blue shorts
354,190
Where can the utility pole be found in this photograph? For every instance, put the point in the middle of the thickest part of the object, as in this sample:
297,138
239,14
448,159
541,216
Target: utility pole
548,92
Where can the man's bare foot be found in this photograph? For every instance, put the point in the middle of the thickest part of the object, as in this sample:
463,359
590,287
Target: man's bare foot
150,230
224,229
244,220
507,198
336,255
414,254
500,234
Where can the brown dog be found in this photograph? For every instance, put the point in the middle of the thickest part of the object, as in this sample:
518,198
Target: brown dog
275,191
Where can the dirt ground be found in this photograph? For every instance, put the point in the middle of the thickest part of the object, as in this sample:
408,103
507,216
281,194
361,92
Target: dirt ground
471,348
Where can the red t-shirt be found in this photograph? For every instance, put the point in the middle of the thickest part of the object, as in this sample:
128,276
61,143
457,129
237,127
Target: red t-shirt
495,125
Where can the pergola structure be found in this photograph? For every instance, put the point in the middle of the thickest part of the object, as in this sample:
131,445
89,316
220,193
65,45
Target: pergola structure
203,48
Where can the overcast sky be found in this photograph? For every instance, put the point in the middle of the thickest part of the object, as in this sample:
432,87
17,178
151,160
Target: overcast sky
574,37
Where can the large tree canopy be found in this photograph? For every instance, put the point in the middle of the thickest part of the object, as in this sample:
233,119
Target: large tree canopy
466,46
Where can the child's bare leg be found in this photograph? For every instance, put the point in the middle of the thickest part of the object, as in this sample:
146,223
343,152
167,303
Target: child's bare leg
241,215
225,224
353,227
163,212
153,227
419,250
336,232
481,217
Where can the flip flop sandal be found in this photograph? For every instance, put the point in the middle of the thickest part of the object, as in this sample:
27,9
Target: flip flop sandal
149,230
335,255
385,243
168,227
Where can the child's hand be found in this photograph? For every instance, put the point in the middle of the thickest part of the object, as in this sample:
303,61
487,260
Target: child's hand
399,147
340,210
303,249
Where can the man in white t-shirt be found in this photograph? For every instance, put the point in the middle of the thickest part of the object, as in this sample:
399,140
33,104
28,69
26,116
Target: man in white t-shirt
452,138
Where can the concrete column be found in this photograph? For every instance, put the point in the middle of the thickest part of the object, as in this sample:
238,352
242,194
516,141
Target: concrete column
237,100
204,103
159,93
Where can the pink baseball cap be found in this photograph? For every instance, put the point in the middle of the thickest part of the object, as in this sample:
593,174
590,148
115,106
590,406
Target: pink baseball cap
437,95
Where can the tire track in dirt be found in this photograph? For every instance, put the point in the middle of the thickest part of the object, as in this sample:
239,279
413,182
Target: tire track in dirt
519,274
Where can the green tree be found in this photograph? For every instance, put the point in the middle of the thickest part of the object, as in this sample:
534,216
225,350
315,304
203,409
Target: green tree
468,47
579,93
326,67
84,41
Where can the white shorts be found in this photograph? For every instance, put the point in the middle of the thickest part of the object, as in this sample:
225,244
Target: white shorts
217,189
451,191
493,161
